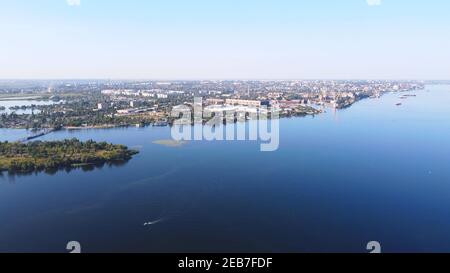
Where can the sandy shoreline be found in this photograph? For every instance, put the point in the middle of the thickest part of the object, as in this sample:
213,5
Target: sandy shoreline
170,143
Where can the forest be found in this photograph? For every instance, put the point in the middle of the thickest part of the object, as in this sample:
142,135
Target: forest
19,157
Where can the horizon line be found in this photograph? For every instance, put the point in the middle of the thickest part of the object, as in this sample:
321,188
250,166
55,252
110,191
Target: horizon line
219,79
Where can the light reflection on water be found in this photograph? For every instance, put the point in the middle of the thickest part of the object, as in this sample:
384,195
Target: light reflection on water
375,171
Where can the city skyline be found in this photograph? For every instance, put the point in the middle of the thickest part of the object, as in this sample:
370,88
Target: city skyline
260,40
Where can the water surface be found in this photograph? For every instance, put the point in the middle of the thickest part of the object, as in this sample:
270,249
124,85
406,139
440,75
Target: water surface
375,171
7,103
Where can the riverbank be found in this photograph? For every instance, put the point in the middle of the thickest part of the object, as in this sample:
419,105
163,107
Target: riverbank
18,98
106,126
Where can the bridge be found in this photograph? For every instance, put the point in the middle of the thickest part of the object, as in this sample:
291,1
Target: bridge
41,133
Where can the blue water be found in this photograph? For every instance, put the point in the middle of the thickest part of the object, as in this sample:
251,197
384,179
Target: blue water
375,171
12,103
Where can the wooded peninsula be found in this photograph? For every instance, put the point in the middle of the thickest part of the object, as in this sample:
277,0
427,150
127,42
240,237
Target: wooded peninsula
28,157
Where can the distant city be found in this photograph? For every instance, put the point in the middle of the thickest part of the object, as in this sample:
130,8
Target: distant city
81,104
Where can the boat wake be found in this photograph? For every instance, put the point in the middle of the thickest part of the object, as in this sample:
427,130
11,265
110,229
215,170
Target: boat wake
151,223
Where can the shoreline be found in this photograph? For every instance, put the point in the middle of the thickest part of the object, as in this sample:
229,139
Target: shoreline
113,126
106,126
34,98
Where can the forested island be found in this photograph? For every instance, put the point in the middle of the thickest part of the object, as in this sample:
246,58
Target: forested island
16,157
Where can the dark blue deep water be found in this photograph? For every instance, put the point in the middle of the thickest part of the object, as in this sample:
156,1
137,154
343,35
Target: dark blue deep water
375,171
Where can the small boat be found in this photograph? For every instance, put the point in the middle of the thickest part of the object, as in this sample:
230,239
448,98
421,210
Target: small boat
399,104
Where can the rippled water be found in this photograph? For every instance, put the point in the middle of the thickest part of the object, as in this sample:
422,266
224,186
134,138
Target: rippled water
375,171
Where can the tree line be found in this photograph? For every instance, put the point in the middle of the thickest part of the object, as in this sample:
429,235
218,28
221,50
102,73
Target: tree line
38,155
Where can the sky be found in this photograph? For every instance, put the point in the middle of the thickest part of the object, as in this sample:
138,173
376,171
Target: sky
225,39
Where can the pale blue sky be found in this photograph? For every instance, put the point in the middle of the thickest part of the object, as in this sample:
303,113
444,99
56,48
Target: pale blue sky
225,39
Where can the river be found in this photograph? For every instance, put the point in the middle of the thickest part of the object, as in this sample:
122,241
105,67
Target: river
373,172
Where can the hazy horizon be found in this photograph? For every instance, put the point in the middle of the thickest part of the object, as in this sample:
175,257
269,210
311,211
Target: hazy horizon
218,79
